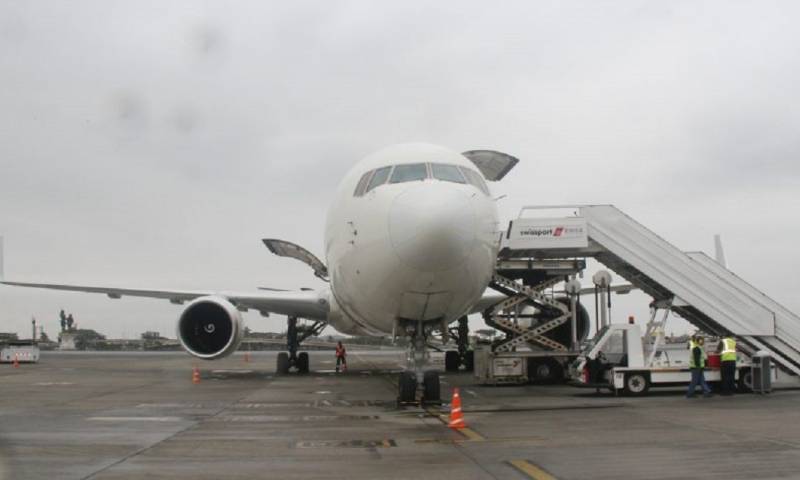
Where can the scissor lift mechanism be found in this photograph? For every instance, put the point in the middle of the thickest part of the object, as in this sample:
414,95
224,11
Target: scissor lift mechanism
517,336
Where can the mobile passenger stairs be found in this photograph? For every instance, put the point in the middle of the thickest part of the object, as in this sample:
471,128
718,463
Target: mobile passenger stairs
538,252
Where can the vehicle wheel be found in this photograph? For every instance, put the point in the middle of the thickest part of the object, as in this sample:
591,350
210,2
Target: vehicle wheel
636,384
469,361
451,361
556,371
745,382
431,384
302,362
407,388
545,370
283,363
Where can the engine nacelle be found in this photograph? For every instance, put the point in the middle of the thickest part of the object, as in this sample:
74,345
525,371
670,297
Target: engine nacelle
210,327
563,333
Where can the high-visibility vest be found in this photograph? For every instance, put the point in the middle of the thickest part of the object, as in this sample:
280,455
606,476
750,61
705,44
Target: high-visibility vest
703,355
728,350
339,351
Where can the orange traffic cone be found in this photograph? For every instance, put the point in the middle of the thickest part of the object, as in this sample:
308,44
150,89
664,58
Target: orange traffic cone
456,415
195,375
16,360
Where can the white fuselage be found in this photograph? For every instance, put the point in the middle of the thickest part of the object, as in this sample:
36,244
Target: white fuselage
415,250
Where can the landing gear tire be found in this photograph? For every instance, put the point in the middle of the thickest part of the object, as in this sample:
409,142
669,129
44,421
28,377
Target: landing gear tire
745,382
451,361
283,363
636,384
407,388
469,361
302,362
432,393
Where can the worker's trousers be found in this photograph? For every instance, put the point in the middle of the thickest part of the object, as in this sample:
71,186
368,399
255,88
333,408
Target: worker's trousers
341,360
698,378
728,374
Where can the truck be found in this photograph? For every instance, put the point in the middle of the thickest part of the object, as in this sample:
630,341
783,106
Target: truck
618,358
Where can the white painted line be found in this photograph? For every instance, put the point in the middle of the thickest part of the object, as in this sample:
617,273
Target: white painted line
52,384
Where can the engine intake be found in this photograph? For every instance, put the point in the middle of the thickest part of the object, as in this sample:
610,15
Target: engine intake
210,328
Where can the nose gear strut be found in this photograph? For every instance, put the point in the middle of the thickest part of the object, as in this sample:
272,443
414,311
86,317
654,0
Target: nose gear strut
415,376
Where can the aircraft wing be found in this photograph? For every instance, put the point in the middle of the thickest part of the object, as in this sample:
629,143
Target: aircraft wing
309,304
621,289
491,297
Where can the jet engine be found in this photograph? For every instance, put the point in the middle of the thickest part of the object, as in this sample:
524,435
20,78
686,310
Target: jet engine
210,328
561,334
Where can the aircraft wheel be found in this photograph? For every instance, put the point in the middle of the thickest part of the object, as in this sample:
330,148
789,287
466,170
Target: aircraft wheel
451,361
302,362
432,391
469,361
283,363
407,388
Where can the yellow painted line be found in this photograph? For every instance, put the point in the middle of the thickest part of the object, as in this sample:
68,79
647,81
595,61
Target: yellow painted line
531,470
467,432
471,434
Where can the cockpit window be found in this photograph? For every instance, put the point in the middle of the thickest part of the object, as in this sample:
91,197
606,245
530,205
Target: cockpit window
419,171
409,173
361,188
379,177
448,173
475,179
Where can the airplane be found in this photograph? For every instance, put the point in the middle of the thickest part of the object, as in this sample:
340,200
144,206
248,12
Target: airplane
411,243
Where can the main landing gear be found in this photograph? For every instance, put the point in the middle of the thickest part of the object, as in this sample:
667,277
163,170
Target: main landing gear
453,360
416,377
295,334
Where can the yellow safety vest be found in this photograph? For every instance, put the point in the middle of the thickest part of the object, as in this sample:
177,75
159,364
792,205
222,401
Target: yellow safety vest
728,350
703,355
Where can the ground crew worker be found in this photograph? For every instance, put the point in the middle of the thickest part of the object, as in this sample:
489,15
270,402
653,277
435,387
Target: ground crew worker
727,351
697,363
63,317
341,357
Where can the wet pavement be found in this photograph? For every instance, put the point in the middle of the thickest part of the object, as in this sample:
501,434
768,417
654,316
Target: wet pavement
78,415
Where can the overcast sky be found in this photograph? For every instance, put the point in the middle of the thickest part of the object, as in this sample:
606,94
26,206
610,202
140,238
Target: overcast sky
152,144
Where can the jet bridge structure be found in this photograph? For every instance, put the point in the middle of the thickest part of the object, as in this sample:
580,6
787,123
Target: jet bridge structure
700,290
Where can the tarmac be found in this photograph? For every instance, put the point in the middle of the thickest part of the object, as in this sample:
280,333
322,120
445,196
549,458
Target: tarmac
81,415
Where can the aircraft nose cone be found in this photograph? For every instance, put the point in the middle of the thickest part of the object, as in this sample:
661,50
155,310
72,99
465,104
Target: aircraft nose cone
432,229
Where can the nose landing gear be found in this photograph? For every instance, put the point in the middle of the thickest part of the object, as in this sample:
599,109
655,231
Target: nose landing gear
416,377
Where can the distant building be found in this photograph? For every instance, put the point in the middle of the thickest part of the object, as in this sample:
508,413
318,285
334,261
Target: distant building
152,336
83,338
8,337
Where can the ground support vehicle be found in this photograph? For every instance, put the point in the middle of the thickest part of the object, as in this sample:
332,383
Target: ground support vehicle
619,360
22,351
